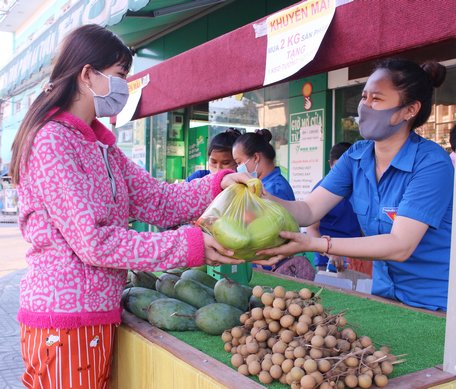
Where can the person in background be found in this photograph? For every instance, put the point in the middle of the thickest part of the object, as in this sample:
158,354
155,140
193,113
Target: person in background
453,144
339,222
400,186
219,154
77,191
254,154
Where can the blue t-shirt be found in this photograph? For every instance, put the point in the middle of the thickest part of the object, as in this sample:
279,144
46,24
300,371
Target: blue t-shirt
418,184
277,185
197,174
339,222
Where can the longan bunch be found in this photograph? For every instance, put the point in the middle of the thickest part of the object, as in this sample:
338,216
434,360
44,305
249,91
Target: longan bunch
295,340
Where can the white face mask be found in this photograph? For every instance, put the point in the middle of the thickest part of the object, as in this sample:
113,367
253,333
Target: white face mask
112,102
242,168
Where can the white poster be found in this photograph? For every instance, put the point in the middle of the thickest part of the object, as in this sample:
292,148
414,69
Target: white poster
294,36
306,151
134,90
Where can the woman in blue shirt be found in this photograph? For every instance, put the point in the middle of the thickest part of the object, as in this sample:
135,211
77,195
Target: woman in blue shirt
253,154
400,186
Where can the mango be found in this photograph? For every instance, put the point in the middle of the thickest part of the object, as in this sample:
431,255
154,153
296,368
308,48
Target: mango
215,318
264,233
232,293
201,277
172,315
137,300
193,293
145,279
230,233
165,284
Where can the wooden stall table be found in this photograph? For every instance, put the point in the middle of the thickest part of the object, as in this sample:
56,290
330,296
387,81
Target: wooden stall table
147,357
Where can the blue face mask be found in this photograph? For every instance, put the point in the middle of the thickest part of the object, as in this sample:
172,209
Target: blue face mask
374,124
242,168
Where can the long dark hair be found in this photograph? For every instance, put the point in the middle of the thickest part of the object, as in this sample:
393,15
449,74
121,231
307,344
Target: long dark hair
90,44
257,142
415,83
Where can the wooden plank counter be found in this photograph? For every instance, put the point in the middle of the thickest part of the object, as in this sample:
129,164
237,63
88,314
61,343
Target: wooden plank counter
147,357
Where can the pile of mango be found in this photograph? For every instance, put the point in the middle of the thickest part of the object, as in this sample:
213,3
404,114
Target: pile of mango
187,300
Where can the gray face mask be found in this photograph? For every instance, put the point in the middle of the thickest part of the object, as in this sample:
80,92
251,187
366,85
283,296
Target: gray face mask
375,124
112,102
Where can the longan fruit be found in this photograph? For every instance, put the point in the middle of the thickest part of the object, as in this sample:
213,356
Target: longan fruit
310,366
318,377
279,291
279,347
266,364
252,358
252,347
317,341
305,294
352,362
243,369
299,352
330,341
381,380
275,313
267,299
237,332
299,362
301,328
237,360
351,381
364,381
279,303
265,377
297,373
324,365
274,327
254,367
326,385
276,372
315,353
258,291
321,330
287,365
226,336
257,313
365,341
277,359
341,321
308,382
387,367
295,310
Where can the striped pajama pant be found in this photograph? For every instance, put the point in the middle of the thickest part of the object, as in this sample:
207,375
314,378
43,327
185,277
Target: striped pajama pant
66,359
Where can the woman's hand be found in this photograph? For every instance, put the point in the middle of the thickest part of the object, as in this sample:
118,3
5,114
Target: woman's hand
297,243
233,178
215,254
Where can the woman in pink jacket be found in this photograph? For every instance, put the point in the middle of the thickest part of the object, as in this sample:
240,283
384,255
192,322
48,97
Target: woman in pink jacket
77,191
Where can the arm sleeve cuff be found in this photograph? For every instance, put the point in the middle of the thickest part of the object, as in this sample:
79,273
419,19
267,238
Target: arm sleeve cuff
195,240
216,183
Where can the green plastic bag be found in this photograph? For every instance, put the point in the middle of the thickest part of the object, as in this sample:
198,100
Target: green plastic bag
244,222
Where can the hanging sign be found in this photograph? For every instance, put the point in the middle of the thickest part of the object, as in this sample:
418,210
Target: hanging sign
134,90
294,36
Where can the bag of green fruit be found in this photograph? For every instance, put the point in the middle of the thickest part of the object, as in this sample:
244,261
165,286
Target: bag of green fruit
244,222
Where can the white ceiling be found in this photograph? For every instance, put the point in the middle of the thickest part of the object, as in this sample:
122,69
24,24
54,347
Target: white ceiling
19,13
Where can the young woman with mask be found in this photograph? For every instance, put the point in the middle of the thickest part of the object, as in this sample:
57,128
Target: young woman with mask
219,154
77,191
255,155
400,186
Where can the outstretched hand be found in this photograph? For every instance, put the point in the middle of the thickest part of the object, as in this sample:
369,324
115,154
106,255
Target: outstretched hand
215,254
297,243
235,178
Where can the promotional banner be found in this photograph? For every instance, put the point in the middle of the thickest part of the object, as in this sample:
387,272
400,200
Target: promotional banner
306,151
294,36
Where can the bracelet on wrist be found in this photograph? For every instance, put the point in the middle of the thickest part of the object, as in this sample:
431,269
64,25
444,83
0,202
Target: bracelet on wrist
328,245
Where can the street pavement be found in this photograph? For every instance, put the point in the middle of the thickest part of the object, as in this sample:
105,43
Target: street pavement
12,267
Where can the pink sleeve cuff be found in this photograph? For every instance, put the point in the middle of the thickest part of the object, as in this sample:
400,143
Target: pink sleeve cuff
195,256
217,181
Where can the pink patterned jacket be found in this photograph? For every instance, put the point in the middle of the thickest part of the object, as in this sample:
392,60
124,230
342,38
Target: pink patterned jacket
74,210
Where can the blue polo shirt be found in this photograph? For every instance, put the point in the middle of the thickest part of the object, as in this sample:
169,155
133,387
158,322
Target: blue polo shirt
197,174
277,185
339,222
418,184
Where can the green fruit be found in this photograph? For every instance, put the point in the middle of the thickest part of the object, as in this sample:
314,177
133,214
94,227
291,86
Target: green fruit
144,279
197,275
232,293
165,284
264,232
215,318
177,271
230,233
193,293
172,315
137,300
